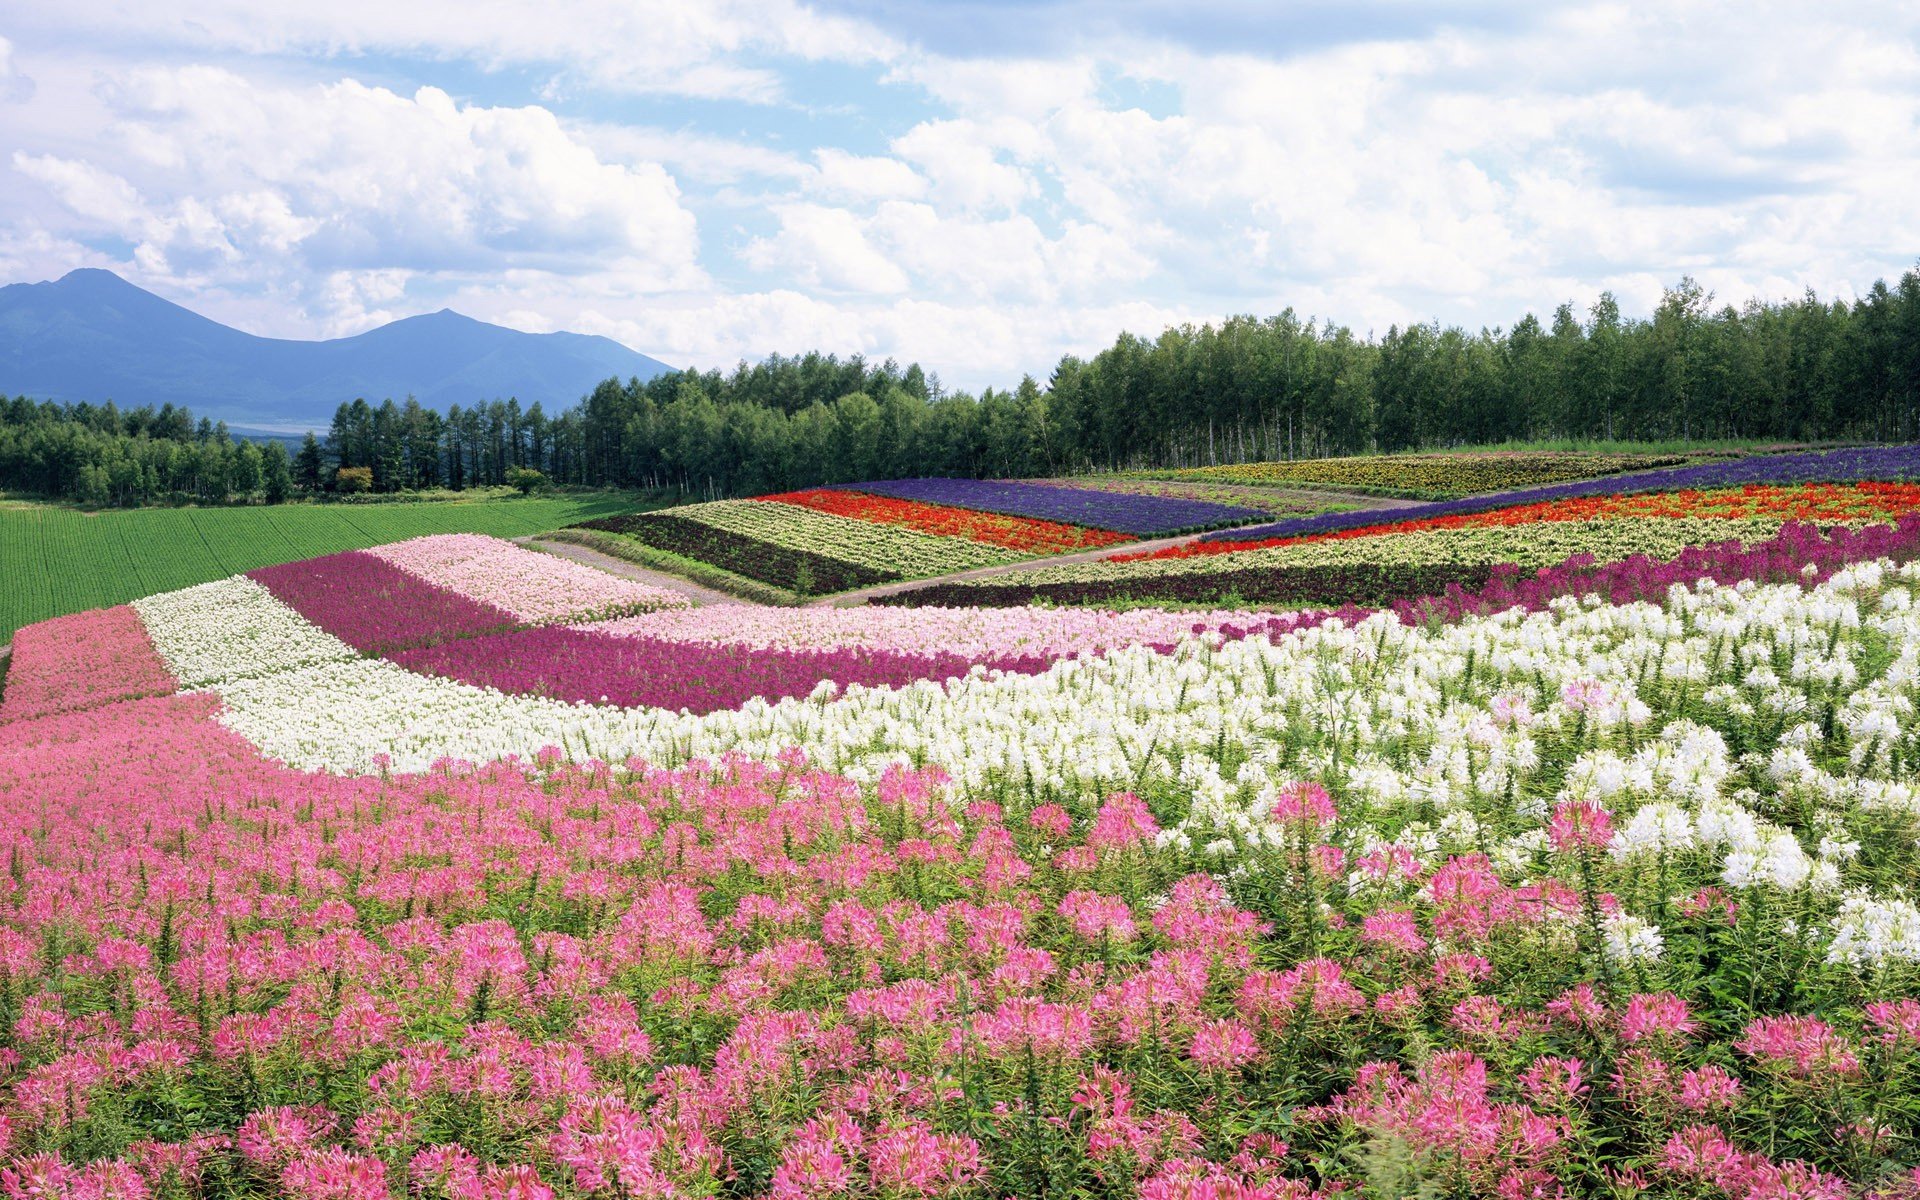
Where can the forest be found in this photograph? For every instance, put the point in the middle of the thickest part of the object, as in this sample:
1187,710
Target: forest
1245,389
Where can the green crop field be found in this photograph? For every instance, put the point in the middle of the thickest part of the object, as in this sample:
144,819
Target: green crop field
57,560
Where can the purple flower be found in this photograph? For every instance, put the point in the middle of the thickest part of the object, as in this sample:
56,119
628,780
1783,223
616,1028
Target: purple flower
577,665
1143,516
374,606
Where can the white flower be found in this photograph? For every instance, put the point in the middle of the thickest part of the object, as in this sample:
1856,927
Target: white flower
1631,939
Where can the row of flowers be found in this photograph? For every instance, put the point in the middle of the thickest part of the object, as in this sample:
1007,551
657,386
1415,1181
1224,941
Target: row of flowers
802,572
974,633
1026,535
1460,474
699,660
895,549
81,661
1592,900
1138,514
1534,544
1813,503
1871,463
530,587
1274,502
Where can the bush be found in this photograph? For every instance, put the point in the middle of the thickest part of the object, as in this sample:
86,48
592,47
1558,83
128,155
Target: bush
527,480
351,481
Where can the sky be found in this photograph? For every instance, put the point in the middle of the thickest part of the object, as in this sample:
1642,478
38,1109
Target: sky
980,186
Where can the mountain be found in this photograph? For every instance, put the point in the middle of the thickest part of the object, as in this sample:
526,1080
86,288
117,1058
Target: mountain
91,335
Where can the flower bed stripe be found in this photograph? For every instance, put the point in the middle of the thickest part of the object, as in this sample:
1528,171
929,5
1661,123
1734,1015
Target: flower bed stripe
1363,584
978,634
1142,516
1820,503
531,587
1028,535
374,606
1536,545
1894,464
1800,554
81,661
1429,476
576,665
232,629
795,570
883,547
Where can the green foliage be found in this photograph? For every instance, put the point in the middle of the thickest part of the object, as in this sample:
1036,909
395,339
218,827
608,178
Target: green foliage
60,561
353,480
526,480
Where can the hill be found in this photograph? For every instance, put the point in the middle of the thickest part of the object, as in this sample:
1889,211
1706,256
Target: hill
91,335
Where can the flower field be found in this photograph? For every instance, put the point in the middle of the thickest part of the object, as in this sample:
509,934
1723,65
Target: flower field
1274,502
1558,848
1025,534
826,540
1141,514
1428,475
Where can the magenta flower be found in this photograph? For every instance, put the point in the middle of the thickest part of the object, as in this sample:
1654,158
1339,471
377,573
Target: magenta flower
1580,825
1123,821
1662,1017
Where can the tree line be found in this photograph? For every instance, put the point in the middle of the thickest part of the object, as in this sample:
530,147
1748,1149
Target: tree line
1242,390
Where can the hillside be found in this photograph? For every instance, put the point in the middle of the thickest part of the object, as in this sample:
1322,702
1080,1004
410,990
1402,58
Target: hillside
91,335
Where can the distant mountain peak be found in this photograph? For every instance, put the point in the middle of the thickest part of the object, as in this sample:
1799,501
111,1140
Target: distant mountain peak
91,335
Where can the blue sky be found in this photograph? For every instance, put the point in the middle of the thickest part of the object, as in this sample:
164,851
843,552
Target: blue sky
980,185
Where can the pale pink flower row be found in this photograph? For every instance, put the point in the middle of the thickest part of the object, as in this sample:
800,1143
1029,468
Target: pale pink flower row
978,633
533,587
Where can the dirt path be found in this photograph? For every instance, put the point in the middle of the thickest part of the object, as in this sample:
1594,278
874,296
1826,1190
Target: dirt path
618,566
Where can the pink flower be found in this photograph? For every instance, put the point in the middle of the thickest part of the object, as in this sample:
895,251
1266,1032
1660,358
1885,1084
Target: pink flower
1303,800
1094,916
1580,1008
1554,1082
918,1162
1394,931
1580,825
1051,820
1661,1017
334,1174
1224,1045
1896,1023
1708,1089
1806,1047
1122,821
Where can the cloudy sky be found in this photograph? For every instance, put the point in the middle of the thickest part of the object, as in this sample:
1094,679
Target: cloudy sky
981,185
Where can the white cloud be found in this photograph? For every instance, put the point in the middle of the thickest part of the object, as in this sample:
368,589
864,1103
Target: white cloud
859,177
233,180
981,214
640,46
825,247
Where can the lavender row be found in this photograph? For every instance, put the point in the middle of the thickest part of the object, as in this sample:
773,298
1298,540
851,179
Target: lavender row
580,666
1889,463
376,607
1142,516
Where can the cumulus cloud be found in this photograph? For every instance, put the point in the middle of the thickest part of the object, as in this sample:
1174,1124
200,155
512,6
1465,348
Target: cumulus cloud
981,211
225,179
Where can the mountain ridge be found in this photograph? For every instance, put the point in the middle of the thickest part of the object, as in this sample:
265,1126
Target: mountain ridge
91,335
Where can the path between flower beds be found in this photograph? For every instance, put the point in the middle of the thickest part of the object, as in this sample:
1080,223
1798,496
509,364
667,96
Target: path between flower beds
695,593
